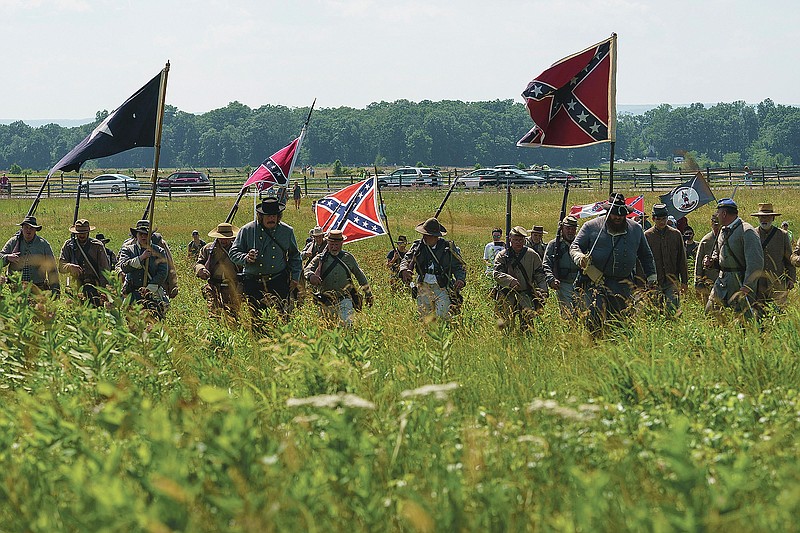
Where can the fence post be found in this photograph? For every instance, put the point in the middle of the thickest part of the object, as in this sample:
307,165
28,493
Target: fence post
652,185
48,189
26,184
170,191
730,176
214,187
62,183
305,184
777,174
125,183
327,183
601,179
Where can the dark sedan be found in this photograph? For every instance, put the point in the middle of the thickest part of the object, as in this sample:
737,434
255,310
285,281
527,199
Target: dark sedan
189,181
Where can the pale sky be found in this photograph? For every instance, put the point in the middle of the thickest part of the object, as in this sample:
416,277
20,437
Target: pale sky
67,59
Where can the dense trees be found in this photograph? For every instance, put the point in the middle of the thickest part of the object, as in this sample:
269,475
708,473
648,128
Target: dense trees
446,133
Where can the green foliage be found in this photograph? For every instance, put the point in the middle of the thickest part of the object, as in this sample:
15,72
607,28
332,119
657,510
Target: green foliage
109,421
338,169
15,169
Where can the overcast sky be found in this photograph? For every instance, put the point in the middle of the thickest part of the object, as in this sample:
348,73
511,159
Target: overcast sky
70,58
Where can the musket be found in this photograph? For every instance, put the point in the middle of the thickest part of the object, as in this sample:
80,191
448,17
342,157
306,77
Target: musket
382,211
235,207
75,243
562,216
444,201
508,213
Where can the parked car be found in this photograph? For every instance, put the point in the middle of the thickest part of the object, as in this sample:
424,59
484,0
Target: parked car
408,176
553,175
518,178
189,181
478,178
110,184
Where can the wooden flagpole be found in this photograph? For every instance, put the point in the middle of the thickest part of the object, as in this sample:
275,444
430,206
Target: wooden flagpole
162,95
612,111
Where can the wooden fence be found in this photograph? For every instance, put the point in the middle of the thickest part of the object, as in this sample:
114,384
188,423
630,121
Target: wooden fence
230,184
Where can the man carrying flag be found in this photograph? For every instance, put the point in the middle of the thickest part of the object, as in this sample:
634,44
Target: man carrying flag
688,196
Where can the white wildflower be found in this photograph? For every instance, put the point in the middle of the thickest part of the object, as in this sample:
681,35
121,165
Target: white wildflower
439,391
332,401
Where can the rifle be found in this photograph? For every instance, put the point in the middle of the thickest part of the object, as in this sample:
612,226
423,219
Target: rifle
444,201
75,243
562,216
382,212
508,213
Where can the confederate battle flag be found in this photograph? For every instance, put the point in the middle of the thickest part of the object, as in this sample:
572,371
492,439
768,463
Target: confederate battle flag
354,210
573,103
275,169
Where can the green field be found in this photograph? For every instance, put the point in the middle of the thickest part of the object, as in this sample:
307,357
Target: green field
109,422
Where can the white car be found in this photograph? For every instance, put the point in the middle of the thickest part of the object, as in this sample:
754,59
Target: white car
408,176
110,184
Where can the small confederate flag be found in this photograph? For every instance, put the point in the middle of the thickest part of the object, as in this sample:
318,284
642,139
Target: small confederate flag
275,169
598,208
354,210
573,102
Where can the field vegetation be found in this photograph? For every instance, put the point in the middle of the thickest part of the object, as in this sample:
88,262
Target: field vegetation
111,422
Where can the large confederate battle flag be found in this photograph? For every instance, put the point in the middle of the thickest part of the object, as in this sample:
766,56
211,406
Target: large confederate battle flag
354,210
573,102
599,208
275,169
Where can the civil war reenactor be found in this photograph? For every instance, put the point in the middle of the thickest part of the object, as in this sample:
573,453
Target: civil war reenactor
536,240
606,250
740,258
315,244
112,257
779,274
669,253
214,265
522,288
393,259
267,249
31,255
85,260
332,273
194,246
146,267
439,268
560,270
170,284
704,276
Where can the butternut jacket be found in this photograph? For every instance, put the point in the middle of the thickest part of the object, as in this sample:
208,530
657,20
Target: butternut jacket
94,251
524,267
214,258
777,255
669,254
704,277
336,273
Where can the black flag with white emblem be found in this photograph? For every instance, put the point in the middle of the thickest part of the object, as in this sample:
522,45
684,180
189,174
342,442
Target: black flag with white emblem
131,125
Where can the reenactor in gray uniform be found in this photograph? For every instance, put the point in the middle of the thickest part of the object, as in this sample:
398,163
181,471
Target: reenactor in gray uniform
560,270
313,247
222,289
739,257
32,256
146,268
332,273
440,272
521,287
267,249
779,272
669,254
170,284
85,260
536,240
393,259
606,250
704,277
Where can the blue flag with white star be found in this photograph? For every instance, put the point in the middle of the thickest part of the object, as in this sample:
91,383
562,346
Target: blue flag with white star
131,125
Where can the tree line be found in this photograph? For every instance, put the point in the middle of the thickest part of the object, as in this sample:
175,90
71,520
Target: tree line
445,133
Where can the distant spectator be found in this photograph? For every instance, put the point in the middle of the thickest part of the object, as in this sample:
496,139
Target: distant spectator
5,184
195,245
297,193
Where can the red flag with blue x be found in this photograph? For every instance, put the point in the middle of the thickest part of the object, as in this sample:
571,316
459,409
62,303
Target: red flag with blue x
354,210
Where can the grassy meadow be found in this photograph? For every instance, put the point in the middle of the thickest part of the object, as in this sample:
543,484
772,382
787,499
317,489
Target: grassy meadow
109,422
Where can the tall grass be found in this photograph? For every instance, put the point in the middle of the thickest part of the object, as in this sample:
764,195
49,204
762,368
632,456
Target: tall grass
109,421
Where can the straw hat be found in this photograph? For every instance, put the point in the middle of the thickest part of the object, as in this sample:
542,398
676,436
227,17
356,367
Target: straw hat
765,210
224,231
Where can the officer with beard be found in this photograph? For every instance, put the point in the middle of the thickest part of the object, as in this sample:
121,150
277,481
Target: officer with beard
606,250
559,268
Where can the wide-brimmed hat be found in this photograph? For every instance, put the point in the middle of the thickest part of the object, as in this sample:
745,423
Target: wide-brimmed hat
519,231
102,238
270,206
570,221
616,205
765,210
81,226
316,231
142,226
336,235
224,231
538,230
30,221
431,227
402,239
660,210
